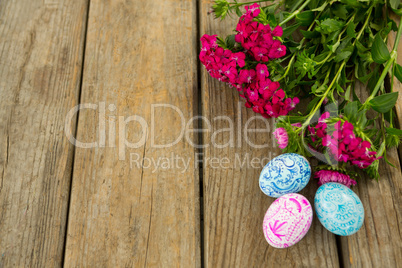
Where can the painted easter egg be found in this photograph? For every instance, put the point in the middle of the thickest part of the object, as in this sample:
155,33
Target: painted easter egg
287,220
286,173
339,209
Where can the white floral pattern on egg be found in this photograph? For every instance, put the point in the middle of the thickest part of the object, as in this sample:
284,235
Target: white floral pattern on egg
286,173
287,220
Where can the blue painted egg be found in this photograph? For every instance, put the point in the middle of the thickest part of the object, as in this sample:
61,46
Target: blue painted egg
286,173
339,209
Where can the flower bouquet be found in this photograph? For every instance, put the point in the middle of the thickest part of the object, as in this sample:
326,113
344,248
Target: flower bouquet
315,52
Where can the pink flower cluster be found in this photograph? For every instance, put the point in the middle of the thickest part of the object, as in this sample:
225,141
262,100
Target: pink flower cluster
325,176
281,137
263,95
343,143
257,38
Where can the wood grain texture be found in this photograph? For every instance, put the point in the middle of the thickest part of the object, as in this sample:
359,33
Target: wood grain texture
41,52
379,242
234,206
397,84
138,53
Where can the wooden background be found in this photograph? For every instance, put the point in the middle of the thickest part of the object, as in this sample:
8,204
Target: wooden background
62,205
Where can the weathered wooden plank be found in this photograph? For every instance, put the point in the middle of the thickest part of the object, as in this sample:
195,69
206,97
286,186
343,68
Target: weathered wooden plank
123,212
234,206
41,52
397,84
379,242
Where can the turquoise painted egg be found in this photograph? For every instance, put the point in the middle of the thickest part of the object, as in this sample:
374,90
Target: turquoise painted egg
339,209
286,173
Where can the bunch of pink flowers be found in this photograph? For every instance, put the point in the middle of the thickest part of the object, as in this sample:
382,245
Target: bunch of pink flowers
343,144
258,39
262,95
325,176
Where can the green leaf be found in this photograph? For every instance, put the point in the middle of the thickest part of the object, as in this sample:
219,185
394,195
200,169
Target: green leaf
344,54
329,25
394,4
350,111
386,160
289,30
321,8
230,41
394,27
397,11
310,34
360,47
221,42
394,137
339,10
321,56
366,78
361,119
305,18
292,5
348,95
262,17
375,26
350,30
398,72
393,131
339,89
238,12
318,91
386,30
374,79
379,50
345,45
384,102
294,118
351,3
372,170
334,47
272,20
220,8
312,104
387,116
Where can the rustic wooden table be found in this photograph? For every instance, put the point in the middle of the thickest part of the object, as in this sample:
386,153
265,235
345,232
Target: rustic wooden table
103,202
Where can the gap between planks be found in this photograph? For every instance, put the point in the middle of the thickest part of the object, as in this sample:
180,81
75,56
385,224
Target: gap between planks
200,151
76,129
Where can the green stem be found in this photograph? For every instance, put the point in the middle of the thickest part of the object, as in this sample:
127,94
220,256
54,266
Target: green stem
339,39
324,60
291,16
288,68
247,3
299,47
398,35
387,66
307,122
364,25
296,6
382,77
391,122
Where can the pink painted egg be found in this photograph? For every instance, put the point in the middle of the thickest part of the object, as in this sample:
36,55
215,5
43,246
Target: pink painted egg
287,220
